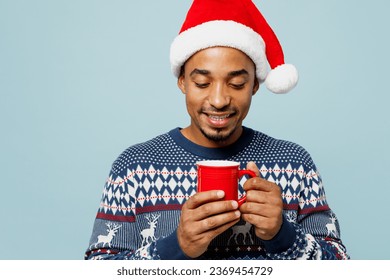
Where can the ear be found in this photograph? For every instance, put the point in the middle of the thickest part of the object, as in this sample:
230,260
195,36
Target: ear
256,86
181,83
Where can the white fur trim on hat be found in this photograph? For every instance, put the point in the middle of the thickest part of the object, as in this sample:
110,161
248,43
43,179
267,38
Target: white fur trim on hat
224,33
282,78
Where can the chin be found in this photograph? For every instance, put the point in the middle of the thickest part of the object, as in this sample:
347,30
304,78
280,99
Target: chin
218,135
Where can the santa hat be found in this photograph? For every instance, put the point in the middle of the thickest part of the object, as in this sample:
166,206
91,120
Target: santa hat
237,24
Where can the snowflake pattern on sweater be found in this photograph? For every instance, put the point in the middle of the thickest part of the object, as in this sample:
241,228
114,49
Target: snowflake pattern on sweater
149,182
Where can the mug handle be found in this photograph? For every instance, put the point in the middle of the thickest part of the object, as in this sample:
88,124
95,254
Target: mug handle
241,173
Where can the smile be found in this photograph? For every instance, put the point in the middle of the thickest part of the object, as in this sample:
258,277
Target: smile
218,118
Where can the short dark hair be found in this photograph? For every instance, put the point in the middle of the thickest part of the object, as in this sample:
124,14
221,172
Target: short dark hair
181,70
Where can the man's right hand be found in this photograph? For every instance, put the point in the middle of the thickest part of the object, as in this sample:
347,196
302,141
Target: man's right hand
204,216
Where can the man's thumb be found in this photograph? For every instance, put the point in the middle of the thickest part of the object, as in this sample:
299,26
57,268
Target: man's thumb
253,167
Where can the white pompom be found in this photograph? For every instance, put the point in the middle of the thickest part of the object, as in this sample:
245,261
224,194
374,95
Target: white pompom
282,79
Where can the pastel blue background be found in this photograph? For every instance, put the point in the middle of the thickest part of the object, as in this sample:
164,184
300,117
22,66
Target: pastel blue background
82,80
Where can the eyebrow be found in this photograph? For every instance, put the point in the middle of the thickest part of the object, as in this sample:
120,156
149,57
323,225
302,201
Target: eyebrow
199,71
230,74
238,73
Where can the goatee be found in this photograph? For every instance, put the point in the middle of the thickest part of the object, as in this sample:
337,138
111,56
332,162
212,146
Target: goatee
218,136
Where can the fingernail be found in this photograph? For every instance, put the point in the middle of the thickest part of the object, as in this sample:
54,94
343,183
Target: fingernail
234,204
220,194
237,213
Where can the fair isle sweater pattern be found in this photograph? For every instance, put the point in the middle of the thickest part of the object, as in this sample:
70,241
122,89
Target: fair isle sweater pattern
149,182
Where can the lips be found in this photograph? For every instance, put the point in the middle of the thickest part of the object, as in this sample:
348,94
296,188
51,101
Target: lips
218,120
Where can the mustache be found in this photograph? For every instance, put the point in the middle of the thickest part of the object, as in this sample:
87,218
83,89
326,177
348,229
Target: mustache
225,110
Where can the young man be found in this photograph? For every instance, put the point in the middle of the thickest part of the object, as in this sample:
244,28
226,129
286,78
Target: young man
150,208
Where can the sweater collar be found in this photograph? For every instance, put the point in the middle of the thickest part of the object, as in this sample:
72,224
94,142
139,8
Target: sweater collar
213,153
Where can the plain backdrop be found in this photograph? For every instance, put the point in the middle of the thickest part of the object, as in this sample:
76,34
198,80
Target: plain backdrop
80,81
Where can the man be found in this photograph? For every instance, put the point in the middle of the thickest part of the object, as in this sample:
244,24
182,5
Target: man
150,208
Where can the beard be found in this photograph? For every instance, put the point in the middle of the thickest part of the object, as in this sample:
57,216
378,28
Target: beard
218,135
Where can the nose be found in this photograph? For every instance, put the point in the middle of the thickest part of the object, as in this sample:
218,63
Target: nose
218,97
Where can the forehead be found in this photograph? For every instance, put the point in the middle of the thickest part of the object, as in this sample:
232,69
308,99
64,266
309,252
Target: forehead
220,60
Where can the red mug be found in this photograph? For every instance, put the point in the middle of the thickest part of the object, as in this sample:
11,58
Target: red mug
222,175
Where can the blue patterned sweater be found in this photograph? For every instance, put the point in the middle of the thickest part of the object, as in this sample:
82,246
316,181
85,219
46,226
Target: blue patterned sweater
149,182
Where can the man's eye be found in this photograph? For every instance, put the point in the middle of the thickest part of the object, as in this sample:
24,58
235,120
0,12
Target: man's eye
238,86
202,85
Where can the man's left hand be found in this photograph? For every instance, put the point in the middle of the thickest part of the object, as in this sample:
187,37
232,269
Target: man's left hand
264,206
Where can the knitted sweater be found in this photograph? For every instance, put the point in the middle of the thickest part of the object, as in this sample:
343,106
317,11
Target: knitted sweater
149,182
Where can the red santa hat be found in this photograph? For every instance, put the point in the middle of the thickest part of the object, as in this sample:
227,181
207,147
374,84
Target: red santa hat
237,24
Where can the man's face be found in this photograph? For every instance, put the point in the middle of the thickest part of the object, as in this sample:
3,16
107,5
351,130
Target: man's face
219,83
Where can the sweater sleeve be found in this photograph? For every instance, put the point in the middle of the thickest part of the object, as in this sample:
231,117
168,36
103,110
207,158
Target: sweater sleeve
120,233
162,249
316,223
310,228
305,245
169,249
115,222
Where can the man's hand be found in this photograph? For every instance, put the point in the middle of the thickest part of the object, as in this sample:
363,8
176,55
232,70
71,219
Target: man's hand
264,206
204,216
